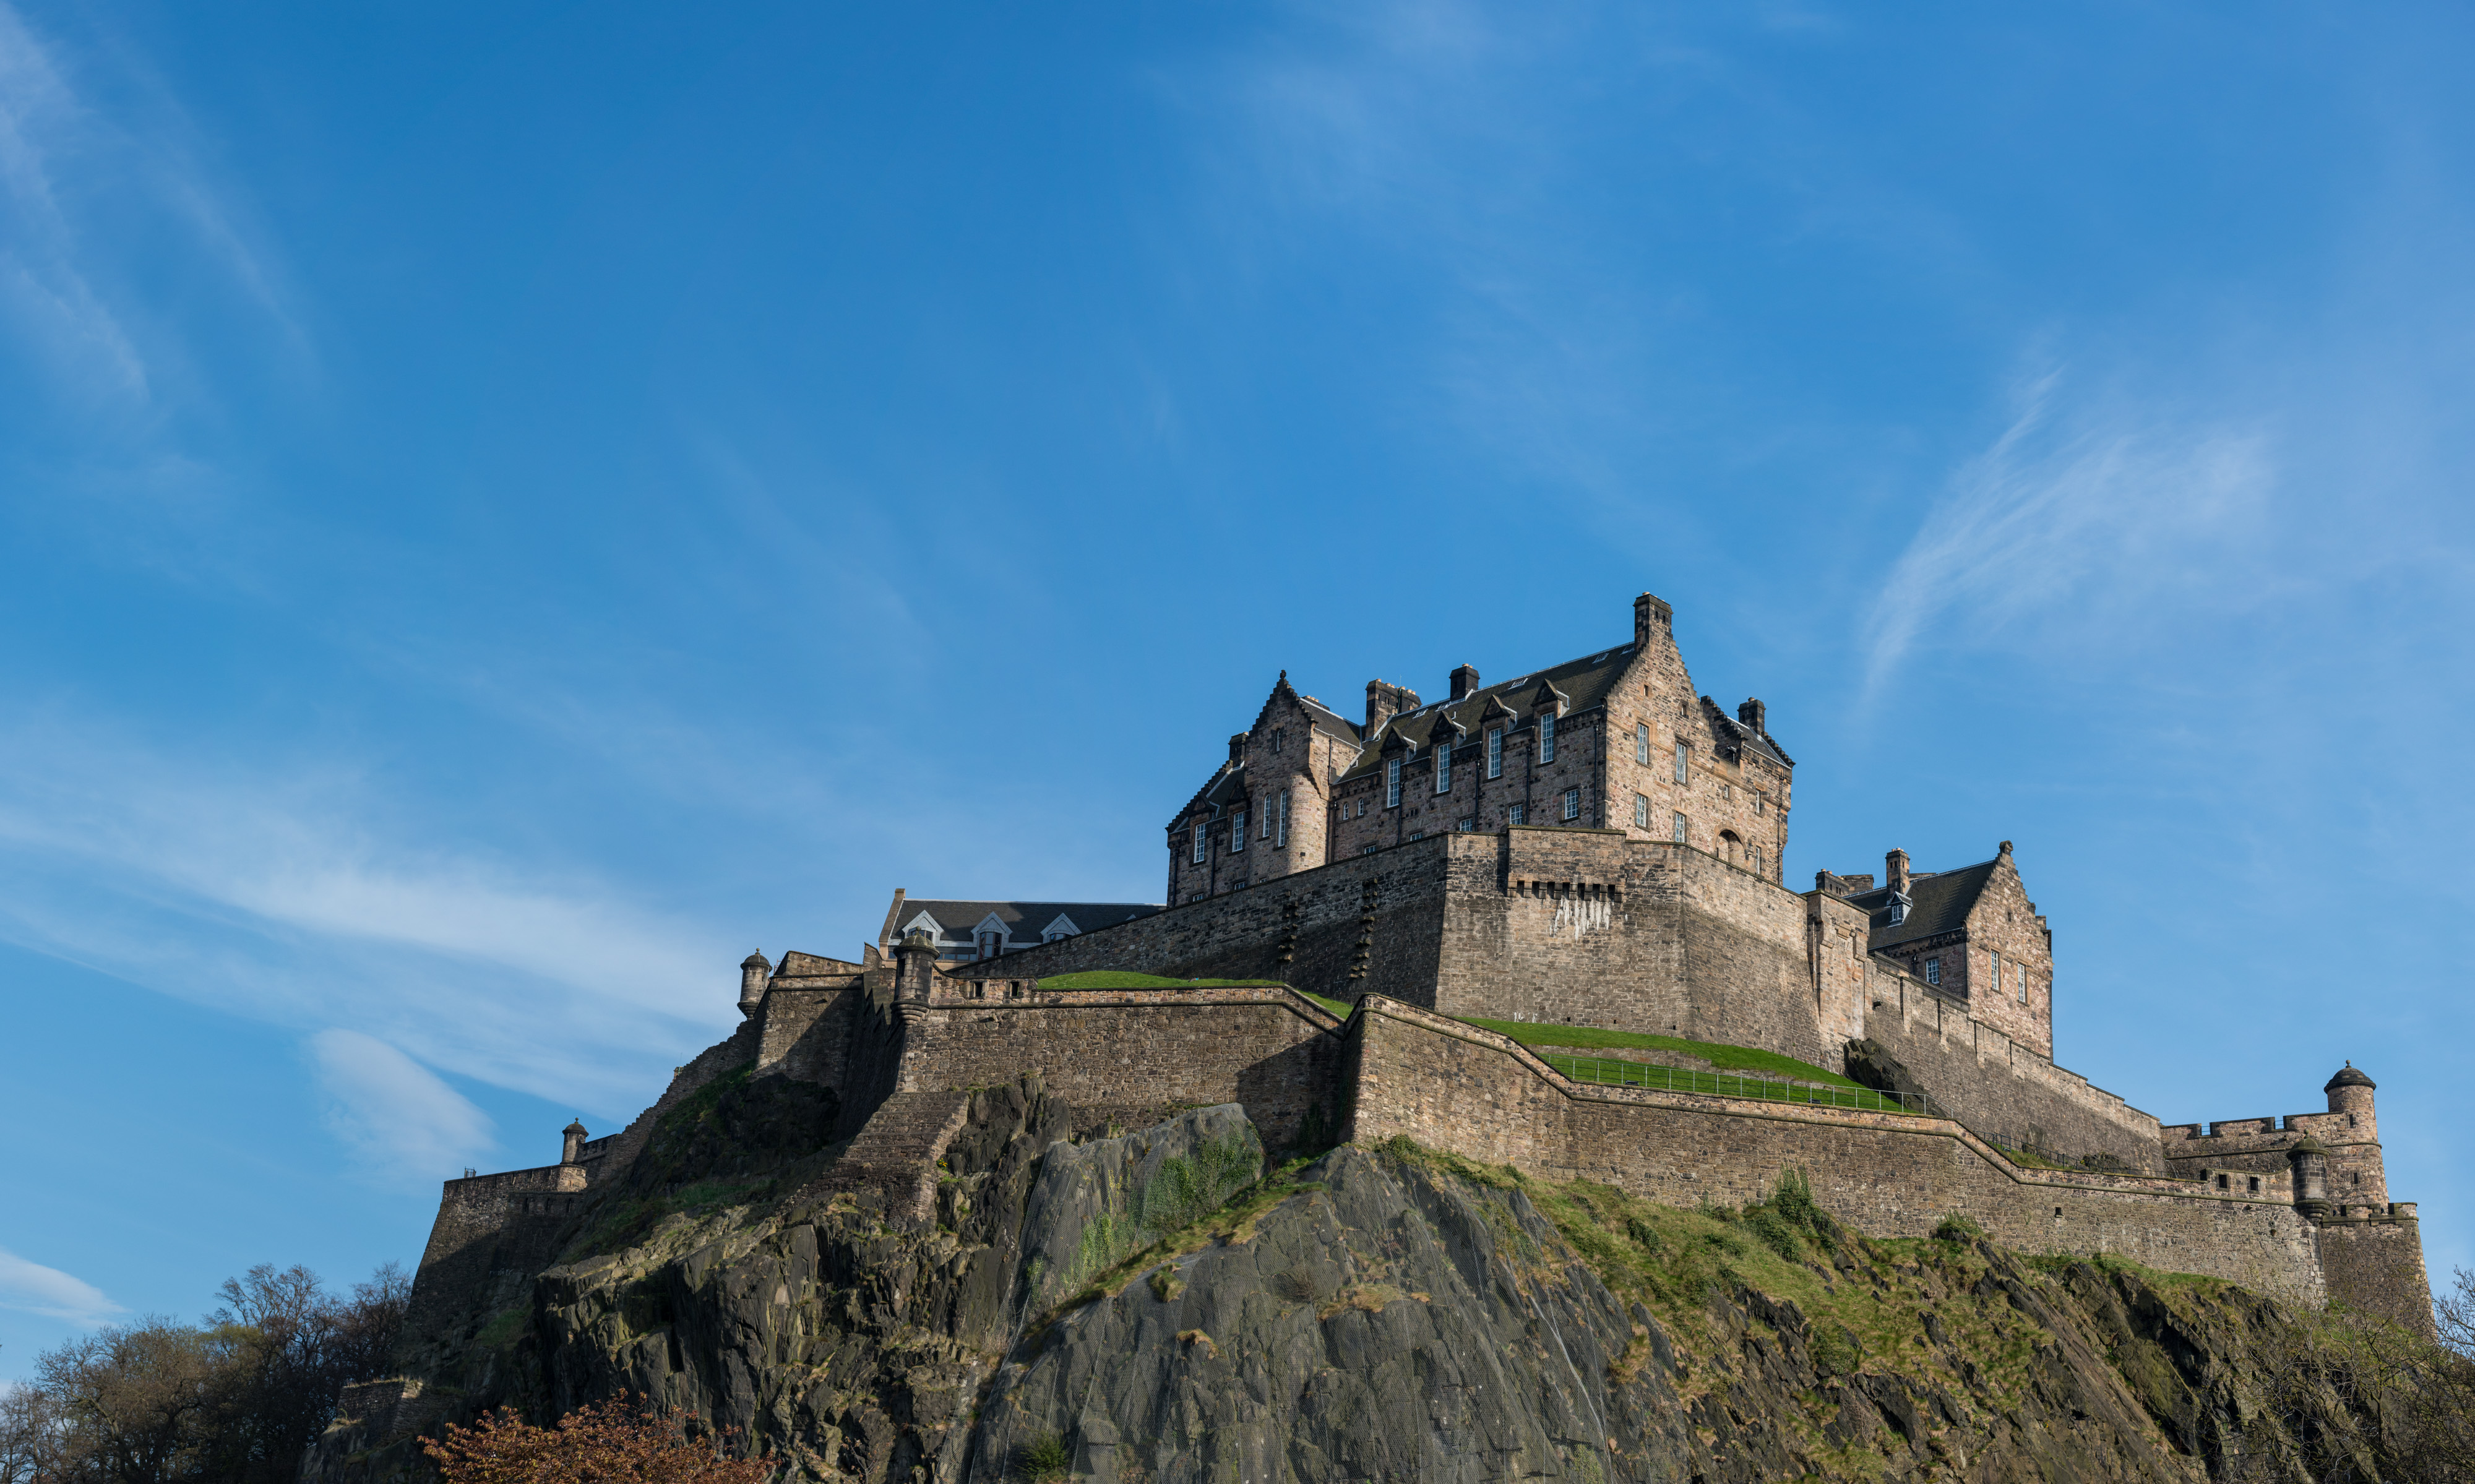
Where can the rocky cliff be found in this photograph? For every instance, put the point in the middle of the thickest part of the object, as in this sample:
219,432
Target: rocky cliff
1171,1304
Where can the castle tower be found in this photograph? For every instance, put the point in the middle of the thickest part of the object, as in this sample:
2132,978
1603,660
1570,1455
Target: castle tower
752,972
2310,1158
570,1147
915,966
2356,1172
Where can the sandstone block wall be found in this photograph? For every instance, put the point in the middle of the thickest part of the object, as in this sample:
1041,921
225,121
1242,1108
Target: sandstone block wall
1997,1085
1267,1047
1458,1089
2376,1263
1320,917
2357,1175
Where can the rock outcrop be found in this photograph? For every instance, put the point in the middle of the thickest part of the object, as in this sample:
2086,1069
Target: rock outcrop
1166,1305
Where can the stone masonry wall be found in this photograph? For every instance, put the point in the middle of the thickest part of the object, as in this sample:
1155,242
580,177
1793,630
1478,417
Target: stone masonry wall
1458,1089
1319,917
2356,1177
1267,1047
1998,1086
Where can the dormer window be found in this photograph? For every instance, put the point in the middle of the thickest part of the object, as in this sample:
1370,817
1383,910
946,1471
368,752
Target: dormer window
1391,783
1547,734
1443,767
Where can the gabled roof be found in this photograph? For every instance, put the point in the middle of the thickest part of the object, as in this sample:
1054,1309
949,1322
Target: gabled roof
1583,683
1024,921
1937,904
1744,736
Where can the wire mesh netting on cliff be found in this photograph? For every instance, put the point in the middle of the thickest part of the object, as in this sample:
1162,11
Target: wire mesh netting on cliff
1609,1072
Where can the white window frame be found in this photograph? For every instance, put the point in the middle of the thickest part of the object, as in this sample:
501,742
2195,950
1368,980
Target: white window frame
1519,813
1572,803
1443,767
1236,832
1676,826
1495,752
1683,761
1547,735
1391,783
1994,955
1641,811
1202,843
1641,742
1933,972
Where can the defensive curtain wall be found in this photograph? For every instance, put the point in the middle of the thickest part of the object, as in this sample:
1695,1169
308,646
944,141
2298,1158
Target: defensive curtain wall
1591,927
916,1039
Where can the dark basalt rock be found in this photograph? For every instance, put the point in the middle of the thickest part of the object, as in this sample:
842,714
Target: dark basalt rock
1372,1315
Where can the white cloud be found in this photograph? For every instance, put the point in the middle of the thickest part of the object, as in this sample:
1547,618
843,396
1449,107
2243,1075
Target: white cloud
50,1292
2100,518
397,1115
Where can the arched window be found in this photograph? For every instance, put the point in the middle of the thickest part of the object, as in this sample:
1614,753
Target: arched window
1731,849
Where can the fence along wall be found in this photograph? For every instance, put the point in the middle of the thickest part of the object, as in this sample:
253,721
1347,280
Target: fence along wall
1456,1087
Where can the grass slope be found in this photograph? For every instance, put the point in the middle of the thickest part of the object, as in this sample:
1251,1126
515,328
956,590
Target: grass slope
1726,1058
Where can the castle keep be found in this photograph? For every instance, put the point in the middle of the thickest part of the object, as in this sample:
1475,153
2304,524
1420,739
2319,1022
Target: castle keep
1592,844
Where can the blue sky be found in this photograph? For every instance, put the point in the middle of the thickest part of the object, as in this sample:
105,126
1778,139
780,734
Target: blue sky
502,513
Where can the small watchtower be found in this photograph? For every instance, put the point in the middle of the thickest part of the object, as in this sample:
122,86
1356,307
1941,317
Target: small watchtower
752,973
571,1145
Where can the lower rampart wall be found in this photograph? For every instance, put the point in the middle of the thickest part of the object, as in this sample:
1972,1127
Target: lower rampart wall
1136,1051
1999,1088
1458,1089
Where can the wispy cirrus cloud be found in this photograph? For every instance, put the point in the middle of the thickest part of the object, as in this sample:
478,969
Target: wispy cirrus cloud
2096,517
405,1123
36,1289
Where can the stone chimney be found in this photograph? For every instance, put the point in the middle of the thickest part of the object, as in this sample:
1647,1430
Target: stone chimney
2006,853
571,1145
1894,871
1651,615
1236,746
1464,681
752,971
1385,701
1749,713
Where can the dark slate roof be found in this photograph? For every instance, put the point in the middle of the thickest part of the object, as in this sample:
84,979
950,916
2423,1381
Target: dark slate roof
1744,736
1939,903
1328,719
1583,683
1024,920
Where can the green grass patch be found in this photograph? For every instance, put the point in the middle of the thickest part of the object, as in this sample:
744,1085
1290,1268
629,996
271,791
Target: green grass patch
1125,978
1340,1007
1618,1072
1726,1058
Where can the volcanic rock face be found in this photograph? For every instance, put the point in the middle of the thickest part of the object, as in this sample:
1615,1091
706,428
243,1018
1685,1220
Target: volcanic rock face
1158,1306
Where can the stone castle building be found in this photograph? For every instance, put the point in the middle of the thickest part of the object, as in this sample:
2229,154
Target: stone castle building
1593,844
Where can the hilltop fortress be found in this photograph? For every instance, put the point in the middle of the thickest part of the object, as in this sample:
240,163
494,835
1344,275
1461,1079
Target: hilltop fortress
1590,844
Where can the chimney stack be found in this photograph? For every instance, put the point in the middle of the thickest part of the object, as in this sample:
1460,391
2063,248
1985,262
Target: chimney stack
1385,701
1464,681
1750,714
1236,746
1894,871
1651,615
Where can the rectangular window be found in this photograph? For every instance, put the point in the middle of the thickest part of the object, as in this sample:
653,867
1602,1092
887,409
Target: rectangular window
1519,814
1280,834
1640,813
1572,803
1270,812
1933,971
1996,956
1199,847
1682,756
2021,975
1392,783
1443,767
1467,826
1279,734
1238,830
1547,736
1641,742
1676,827
1757,803
1417,835
1495,752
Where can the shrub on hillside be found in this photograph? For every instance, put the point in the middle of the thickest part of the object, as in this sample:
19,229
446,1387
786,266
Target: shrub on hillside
602,1442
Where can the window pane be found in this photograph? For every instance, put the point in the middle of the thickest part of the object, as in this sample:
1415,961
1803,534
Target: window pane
1677,825
1520,813
1547,737
1392,784
1681,750
1640,812
1495,753
1641,742
1443,767
1572,803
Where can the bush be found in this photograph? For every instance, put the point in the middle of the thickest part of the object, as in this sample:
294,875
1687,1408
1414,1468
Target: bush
602,1441
1046,1460
1957,1228
1776,1232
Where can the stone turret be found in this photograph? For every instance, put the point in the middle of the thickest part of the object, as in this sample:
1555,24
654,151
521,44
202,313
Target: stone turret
571,1145
2310,1158
752,971
2350,1091
915,966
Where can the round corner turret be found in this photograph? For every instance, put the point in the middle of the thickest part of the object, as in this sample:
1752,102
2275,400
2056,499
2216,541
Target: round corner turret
2350,1091
2309,1159
571,1143
753,971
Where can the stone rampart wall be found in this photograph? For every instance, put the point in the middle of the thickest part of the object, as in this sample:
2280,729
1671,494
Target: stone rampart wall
2357,1175
1996,1086
1267,1047
1319,917
1458,1089
2377,1265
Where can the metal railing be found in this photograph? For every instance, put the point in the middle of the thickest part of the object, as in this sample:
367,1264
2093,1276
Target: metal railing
1611,1072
